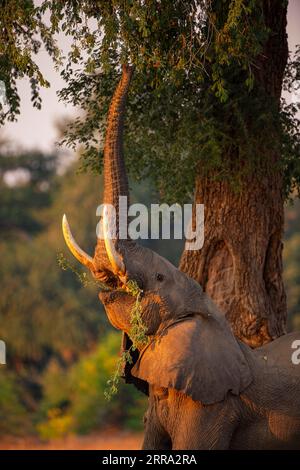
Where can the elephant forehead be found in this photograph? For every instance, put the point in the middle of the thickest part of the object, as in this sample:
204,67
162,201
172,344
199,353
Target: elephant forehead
145,259
138,257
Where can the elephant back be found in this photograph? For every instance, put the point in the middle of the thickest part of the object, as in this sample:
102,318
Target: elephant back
276,380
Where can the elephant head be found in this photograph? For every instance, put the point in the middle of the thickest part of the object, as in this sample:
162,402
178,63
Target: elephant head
191,346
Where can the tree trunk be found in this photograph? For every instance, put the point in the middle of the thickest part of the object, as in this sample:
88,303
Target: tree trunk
240,264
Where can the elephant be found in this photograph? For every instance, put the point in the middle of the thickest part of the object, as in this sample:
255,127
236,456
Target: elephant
207,389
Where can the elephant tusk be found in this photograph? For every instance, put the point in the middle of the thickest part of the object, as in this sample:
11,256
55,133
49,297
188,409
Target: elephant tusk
79,254
113,256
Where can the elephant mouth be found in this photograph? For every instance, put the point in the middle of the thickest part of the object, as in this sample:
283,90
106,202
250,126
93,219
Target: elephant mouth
112,296
113,279
111,282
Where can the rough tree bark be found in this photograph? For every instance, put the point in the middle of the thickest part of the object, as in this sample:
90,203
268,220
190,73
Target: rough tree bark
240,264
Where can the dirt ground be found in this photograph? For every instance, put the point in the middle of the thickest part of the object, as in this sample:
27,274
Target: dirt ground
106,440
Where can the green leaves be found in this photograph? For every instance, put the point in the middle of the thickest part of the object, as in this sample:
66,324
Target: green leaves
83,278
137,335
138,329
195,104
22,33
166,40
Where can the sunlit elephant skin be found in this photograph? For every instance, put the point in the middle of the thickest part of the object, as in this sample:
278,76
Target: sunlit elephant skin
206,389
265,415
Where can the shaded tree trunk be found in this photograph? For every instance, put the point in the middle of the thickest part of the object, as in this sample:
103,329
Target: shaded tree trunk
240,264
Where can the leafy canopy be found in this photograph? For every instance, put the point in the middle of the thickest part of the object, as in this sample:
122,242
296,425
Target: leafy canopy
194,105
22,33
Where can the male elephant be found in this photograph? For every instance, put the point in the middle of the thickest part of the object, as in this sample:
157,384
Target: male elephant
206,389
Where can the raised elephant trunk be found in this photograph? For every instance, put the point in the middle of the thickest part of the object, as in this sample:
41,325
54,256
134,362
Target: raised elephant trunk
106,256
115,176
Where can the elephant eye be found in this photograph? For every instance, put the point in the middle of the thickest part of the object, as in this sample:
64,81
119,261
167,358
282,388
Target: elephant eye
159,277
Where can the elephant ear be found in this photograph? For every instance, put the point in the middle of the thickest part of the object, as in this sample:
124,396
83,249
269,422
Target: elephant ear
197,356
